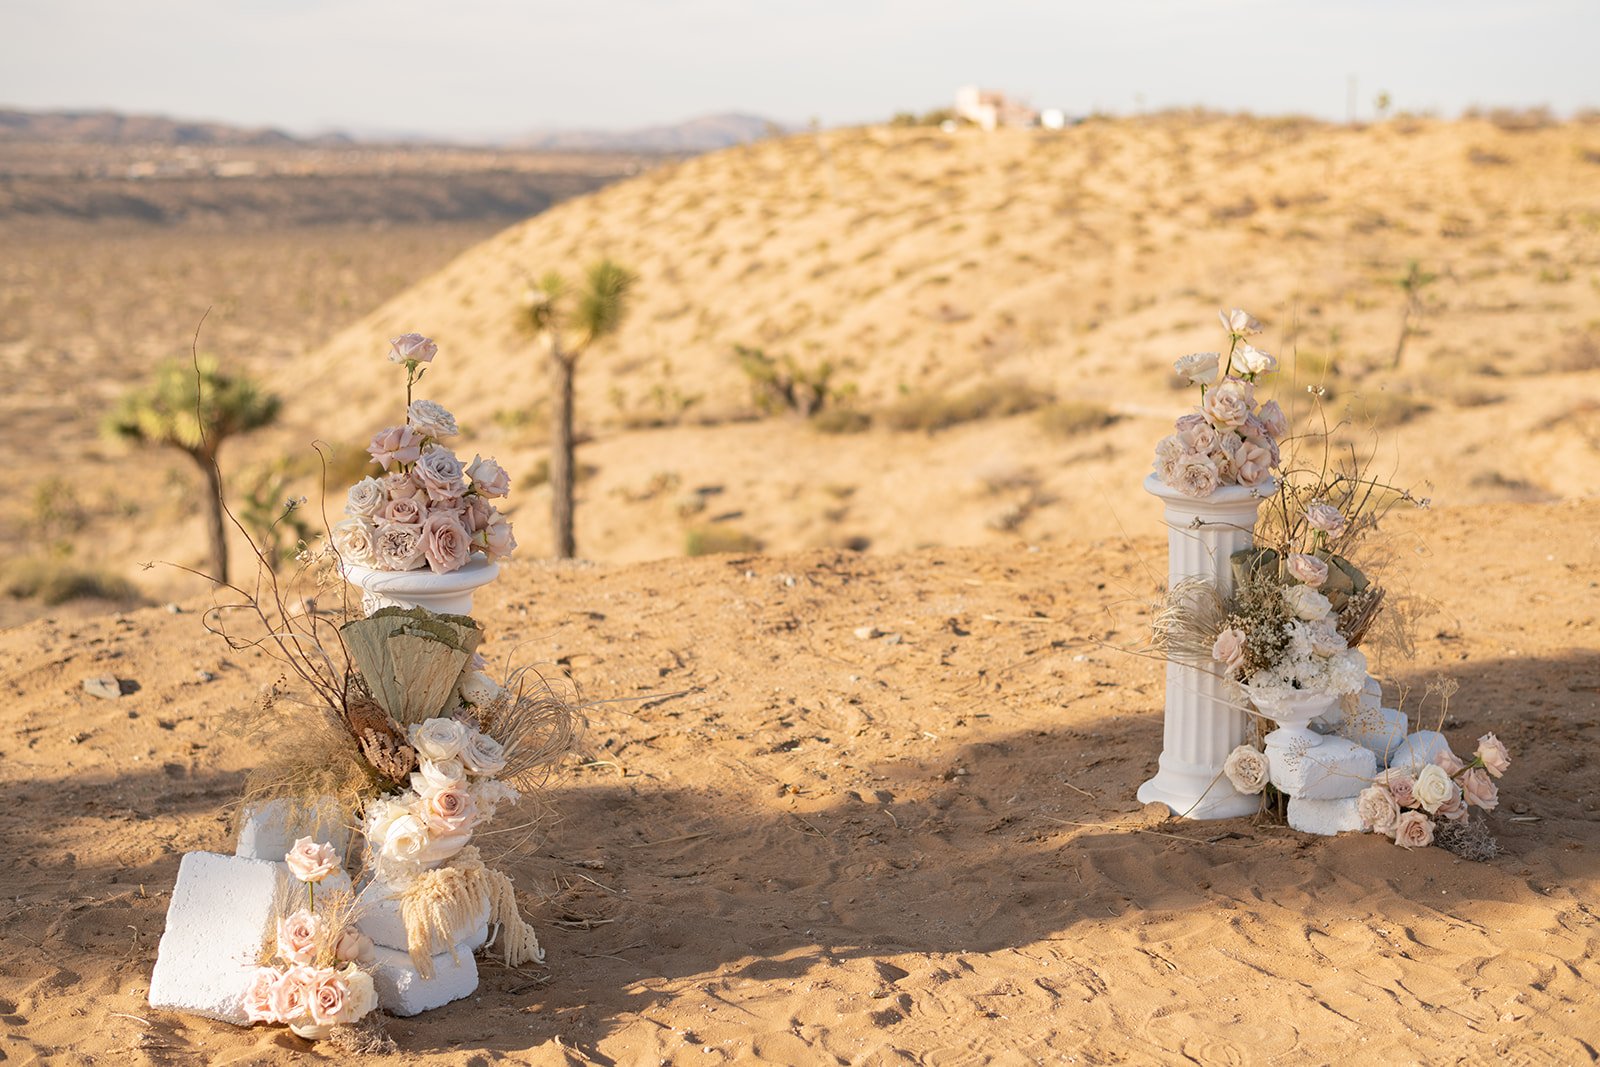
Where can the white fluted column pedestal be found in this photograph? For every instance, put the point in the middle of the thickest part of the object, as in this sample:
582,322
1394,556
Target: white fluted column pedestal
1203,723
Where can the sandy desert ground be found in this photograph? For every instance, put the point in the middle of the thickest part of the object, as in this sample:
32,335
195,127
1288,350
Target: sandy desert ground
915,848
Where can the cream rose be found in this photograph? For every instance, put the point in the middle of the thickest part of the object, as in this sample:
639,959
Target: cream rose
325,999
1306,603
412,347
1480,789
380,816
292,993
399,484
445,542
439,472
1378,811
483,755
1229,404
1308,569
360,995
498,539
1239,321
1413,830
354,946
1247,769
399,546
431,419
365,498
1197,476
488,477
436,777
310,861
1201,368
1433,788
258,995
356,541
1326,640
406,840
1326,518
395,444
1248,360
437,739
405,510
1229,649
297,937
1492,752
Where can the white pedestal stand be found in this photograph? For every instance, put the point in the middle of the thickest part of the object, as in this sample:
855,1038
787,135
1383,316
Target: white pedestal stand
1202,722
445,594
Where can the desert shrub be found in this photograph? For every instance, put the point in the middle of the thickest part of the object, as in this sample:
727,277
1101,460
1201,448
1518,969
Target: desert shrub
1580,352
713,540
1386,409
1069,418
931,411
841,420
782,384
539,474
56,581
1522,119
58,514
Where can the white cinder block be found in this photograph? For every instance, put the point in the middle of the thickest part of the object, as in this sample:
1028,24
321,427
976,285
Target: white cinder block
1418,750
402,991
378,916
1326,817
1380,729
1333,769
268,832
222,910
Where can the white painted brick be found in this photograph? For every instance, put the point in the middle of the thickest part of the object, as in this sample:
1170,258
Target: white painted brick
222,909
1380,729
1335,768
1326,817
1418,750
268,832
378,916
402,991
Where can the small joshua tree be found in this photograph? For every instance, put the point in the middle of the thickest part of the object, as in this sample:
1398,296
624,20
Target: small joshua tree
194,408
567,321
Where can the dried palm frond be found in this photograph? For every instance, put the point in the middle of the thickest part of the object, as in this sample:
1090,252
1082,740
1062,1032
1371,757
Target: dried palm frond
1188,620
412,660
1358,614
536,724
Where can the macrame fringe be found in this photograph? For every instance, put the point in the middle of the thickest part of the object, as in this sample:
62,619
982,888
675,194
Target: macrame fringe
442,903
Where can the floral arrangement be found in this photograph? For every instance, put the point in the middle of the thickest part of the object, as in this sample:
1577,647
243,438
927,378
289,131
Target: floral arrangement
428,509
1228,439
313,978
1412,808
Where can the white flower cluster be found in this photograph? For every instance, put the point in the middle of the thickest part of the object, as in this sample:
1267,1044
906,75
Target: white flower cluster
453,791
1315,655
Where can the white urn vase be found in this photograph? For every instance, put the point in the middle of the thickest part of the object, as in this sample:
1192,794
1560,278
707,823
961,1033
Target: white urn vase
1293,710
445,594
1204,721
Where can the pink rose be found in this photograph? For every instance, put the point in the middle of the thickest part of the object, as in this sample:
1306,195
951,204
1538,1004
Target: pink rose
1255,464
498,540
1401,786
488,477
1308,569
439,472
1325,518
1377,809
292,994
450,810
1454,809
445,542
311,862
1197,475
395,444
1273,420
1449,762
326,996
412,347
1229,404
1195,434
431,419
1480,789
354,946
405,510
258,996
399,546
399,484
1413,830
1493,754
477,514
297,937
1229,648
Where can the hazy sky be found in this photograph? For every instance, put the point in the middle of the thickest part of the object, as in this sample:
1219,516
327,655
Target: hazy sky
469,67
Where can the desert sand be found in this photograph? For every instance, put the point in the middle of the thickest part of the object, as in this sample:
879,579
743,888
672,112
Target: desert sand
785,843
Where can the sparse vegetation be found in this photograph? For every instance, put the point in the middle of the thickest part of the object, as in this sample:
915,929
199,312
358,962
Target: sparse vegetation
932,411
55,581
784,384
711,539
1073,417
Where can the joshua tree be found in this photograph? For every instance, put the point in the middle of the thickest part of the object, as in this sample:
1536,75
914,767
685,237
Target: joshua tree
567,321
1411,283
194,408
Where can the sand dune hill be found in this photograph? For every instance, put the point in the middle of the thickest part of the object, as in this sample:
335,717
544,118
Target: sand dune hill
1079,264
800,846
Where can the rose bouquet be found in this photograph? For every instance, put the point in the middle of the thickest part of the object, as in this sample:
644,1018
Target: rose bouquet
428,509
1417,808
313,977
1228,439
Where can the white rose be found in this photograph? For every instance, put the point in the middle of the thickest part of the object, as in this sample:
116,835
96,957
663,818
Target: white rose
438,777
1250,360
361,997
412,346
1247,769
1433,788
356,541
430,419
406,839
365,497
1201,368
437,739
1306,603
1239,321
381,815
482,754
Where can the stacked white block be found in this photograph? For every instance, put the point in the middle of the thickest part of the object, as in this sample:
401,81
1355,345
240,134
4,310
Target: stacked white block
402,989
1418,750
378,916
1334,769
1326,817
1203,722
268,831
222,911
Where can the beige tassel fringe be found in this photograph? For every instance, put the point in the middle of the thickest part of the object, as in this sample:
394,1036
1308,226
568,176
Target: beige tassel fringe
441,904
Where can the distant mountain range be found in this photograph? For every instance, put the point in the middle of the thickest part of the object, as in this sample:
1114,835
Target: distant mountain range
704,134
